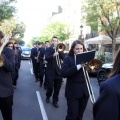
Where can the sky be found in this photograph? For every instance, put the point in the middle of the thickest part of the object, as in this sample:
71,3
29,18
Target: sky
34,14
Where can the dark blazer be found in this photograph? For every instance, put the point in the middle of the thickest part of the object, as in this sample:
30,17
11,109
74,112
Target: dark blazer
52,67
75,85
107,106
41,65
34,52
14,73
42,53
6,83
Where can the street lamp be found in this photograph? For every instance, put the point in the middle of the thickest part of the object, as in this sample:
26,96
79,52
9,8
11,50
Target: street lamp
81,33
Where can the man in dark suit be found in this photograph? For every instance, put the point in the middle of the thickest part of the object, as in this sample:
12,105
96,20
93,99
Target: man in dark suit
6,83
33,56
43,65
53,72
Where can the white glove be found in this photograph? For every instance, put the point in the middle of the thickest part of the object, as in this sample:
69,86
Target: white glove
79,66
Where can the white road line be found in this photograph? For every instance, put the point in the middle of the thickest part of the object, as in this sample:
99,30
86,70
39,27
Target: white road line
44,115
31,70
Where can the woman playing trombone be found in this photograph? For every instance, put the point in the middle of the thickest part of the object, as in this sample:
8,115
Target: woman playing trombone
76,91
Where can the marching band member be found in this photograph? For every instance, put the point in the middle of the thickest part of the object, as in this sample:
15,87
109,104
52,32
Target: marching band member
33,56
76,91
107,106
53,73
6,83
15,73
43,64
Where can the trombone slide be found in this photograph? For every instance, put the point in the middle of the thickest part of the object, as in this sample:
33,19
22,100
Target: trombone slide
90,90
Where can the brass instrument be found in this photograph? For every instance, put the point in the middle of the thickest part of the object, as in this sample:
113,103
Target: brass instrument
2,61
60,47
93,66
37,59
44,61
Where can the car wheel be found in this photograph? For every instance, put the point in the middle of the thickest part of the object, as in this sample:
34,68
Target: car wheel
102,76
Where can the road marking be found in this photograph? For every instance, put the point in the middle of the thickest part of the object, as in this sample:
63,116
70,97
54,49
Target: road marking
44,115
31,70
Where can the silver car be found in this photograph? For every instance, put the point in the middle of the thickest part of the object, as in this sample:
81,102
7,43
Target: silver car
26,51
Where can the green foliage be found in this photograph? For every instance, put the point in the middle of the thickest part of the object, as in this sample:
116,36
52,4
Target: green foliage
58,29
102,58
103,15
7,26
18,32
21,42
6,9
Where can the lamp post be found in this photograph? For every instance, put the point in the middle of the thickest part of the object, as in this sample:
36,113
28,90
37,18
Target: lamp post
81,33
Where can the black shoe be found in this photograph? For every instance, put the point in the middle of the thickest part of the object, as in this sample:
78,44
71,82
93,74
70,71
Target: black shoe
55,104
36,80
40,85
47,100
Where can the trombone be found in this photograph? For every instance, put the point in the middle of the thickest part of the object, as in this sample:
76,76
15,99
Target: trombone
44,61
94,65
60,47
2,60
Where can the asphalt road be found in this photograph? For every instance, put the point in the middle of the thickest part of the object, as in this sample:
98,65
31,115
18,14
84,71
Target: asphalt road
29,99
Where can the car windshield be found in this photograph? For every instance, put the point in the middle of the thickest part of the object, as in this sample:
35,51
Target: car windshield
26,49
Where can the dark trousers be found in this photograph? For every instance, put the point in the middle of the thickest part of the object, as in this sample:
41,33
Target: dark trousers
76,108
6,107
35,68
16,77
53,87
42,73
46,79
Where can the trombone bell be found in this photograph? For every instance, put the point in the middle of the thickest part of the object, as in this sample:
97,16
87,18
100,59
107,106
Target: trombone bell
60,47
94,65
2,61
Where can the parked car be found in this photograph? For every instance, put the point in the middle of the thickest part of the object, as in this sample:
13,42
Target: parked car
103,72
26,51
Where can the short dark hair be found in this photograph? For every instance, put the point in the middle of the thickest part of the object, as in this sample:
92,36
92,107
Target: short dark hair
54,37
1,34
39,43
73,46
47,41
15,42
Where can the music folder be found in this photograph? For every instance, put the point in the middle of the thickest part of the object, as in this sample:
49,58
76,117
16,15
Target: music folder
84,57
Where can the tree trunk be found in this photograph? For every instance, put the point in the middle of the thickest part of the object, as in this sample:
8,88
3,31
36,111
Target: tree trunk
113,49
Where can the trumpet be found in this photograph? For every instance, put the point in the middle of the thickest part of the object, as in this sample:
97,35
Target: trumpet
60,47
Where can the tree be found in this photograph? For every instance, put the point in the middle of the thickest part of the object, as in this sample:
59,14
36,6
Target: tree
58,29
18,32
7,26
106,15
6,9
21,42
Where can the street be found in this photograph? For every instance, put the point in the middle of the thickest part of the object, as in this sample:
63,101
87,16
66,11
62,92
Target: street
29,99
